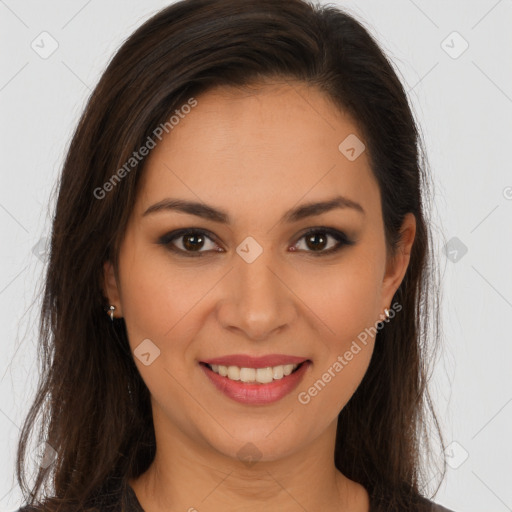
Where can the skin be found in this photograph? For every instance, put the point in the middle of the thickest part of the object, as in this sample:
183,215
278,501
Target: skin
254,154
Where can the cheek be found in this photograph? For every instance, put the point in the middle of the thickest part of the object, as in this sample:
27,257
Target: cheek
344,297
156,296
346,308
160,304
345,302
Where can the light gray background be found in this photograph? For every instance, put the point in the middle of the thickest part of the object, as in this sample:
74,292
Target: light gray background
464,106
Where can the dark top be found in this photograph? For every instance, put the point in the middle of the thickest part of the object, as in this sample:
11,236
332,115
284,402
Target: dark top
133,505
124,499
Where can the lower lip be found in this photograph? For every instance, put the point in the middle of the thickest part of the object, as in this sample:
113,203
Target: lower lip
257,394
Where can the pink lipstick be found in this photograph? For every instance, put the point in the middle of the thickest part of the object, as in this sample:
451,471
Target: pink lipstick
219,370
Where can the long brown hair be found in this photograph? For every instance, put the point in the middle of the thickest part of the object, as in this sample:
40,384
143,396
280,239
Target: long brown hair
94,406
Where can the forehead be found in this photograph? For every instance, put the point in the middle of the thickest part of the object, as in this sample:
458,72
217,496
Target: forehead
267,144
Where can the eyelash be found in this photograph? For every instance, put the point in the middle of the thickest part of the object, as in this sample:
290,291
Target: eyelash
339,236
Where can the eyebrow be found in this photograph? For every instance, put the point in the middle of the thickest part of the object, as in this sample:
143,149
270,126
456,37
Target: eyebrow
216,215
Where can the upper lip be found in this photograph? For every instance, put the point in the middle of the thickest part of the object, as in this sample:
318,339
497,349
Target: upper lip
246,361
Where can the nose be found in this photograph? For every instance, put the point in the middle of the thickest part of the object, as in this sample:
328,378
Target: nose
257,299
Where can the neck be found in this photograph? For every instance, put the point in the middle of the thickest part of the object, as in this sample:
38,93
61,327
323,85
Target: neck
187,475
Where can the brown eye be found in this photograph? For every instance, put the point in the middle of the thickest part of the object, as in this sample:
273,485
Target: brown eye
189,241
193,241
316,241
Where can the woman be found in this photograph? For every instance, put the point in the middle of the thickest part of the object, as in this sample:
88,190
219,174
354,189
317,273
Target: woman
240,282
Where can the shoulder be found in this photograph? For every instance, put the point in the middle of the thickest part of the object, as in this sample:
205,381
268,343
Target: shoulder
434,507
50,506
384,502
106,498
45,508
430,506
32,508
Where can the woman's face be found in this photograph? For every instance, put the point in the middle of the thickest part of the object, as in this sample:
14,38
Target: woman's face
250,281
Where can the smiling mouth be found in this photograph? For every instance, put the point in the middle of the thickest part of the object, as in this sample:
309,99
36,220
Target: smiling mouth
260,376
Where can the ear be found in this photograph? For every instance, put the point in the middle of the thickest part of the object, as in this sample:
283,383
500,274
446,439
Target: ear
111,289
396,266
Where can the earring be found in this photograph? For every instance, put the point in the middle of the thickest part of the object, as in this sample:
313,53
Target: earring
386,312
112,308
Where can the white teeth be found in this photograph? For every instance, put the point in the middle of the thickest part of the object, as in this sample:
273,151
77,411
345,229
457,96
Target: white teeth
254,375
278,372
